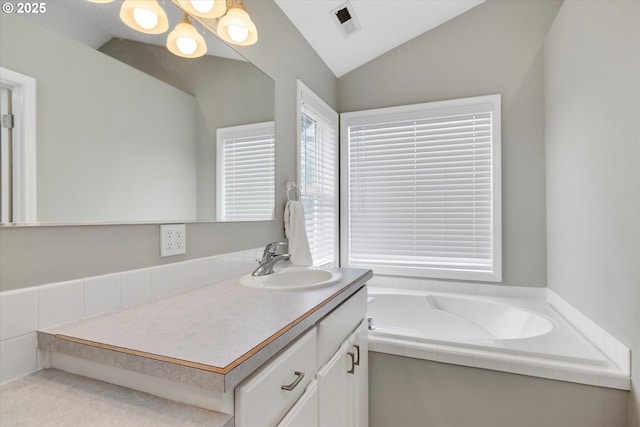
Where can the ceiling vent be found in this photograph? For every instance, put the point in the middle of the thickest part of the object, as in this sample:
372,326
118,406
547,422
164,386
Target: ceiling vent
346,19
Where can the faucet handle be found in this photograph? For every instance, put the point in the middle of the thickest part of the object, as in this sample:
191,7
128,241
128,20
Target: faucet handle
276,248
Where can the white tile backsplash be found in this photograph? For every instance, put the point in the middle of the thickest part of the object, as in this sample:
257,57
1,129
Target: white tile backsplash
18,312
101,293
19,357
494,361
60,303
163,280
135,286
455,355
470,288
186,275
451,286
22,312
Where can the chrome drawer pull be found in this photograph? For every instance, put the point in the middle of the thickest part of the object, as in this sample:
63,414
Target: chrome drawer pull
293,385
353,363
357,362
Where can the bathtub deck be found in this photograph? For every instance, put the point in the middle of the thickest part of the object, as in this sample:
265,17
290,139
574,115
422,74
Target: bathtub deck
563,354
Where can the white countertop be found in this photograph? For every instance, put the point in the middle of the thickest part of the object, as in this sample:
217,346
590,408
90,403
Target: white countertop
216,328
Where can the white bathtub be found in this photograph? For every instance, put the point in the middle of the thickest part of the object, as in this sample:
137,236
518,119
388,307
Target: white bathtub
513,335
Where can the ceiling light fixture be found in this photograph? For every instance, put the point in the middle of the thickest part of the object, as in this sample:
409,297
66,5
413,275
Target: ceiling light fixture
236,26
186,41
145,16
204,8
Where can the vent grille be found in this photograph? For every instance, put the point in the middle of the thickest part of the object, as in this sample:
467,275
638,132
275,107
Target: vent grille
343,15
346,19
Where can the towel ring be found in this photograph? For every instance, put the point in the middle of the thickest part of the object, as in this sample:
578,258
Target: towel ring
296,192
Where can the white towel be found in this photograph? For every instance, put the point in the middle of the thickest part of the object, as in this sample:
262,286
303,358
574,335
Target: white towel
295,231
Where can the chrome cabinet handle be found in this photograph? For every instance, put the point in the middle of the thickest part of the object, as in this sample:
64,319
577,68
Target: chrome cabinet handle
357,347
289,387
353,363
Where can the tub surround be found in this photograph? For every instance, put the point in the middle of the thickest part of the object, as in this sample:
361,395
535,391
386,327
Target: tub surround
572,356
207,339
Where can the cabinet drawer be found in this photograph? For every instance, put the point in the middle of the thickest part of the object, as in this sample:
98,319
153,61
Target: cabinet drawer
261,400
337,325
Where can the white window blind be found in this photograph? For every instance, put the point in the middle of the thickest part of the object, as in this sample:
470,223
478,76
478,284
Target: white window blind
246,172
422,189
318,146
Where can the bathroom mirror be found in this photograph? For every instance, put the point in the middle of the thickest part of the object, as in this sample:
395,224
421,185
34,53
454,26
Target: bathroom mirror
125,130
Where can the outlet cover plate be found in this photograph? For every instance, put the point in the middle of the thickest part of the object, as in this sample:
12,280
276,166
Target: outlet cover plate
173,239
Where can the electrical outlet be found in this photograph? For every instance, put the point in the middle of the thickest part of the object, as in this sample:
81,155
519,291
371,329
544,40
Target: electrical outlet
173,239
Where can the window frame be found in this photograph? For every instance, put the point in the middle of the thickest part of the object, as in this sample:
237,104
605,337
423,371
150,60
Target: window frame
415,111
329,115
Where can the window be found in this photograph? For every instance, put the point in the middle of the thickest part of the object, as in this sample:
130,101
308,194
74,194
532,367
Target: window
246,172
318,174
421,189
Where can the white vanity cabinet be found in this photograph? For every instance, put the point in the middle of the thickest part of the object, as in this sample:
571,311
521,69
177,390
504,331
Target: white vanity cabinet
358,378
265,397
343,384
305,412
332,393
343,365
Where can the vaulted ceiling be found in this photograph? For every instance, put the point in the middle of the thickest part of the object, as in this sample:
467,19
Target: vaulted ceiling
384,25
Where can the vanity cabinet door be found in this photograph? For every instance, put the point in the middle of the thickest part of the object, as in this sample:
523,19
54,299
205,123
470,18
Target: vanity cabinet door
332,386
358,377
343,384
305,412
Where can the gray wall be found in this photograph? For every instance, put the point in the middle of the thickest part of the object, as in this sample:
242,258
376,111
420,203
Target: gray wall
32,256
592,58
413,393
495,47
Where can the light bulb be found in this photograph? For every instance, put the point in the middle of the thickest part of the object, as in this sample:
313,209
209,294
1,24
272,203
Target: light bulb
203,6
146,18
236,27
238,33
186,45
185,40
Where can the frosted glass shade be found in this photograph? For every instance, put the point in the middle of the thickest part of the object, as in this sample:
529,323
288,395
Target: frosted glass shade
146,16
204,8
186,41
237,28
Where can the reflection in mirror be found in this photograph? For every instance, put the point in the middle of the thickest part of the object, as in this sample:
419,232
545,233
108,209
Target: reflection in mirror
127,133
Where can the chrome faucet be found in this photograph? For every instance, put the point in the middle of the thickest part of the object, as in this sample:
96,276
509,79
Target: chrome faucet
273,252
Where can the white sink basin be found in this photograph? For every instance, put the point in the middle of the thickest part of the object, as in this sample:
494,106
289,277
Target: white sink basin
293,277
